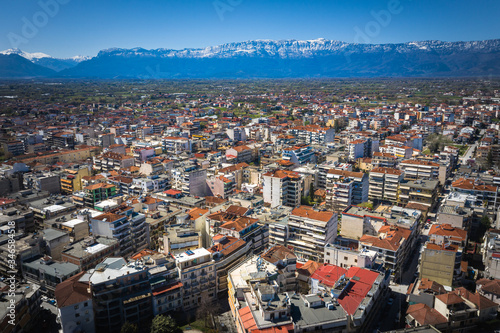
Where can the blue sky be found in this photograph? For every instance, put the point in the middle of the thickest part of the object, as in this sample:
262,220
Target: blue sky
83,27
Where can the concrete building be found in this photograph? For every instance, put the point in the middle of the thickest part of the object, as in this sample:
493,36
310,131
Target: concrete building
384,184
310,231
282,188
121,292
89,252
198,277
74,304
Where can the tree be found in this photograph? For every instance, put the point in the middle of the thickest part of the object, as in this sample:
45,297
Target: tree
129,328
164,324
489,159
367,204
311,192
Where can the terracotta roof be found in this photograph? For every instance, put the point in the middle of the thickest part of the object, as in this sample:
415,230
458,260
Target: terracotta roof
426,284
470,184
308,268
480,301
384,170
450,298
449,231
425,315
110,217
97,186
310,213
328,274
277,253
239,224
72,291
489,286
282,174
196,213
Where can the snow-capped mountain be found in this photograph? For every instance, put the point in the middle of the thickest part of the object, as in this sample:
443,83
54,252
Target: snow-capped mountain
29,56
286,59
300,48
46,60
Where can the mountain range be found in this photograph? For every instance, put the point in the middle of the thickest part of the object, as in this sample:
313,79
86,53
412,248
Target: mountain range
319,58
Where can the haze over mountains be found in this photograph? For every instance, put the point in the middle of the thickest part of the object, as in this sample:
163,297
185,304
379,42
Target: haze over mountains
269,59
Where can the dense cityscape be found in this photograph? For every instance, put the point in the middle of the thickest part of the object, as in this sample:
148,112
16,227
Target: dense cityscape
341,205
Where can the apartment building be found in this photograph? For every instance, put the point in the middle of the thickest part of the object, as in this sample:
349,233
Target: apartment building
89,252
239,154
282,188
394,246
125,225
121,293
71,179
74,304
112,161
190,179
345,188
198,277
384,184
488,194
299,154
221,186
423,192
227,252
419,169
310,231
176,145
313,134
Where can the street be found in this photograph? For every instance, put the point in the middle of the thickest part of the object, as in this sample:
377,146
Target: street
388,313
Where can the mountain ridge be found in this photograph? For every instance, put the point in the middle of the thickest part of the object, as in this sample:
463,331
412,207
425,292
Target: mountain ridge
290,59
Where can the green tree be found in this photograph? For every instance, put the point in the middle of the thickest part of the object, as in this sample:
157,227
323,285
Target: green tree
164,324
129,328
311,192
367,204
489,159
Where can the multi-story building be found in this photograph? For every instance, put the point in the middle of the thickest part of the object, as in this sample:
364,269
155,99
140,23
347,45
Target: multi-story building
14,147
394,245
345,188
313,134
71,179
190,180
491,253
488,194
423,192
440,262
112,161
419,169
24,301
309,232
95,193
125,225
221,186
121,292
43,181
282,188
47,273
227,252
74,304
239,154
176,145
89,252
299,155
198,277
384,184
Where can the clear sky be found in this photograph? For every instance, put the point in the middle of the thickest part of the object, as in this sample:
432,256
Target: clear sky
83,27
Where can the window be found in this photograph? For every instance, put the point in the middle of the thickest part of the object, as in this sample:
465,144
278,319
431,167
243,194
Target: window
345,258
77,315
76,307
355,260
86,304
